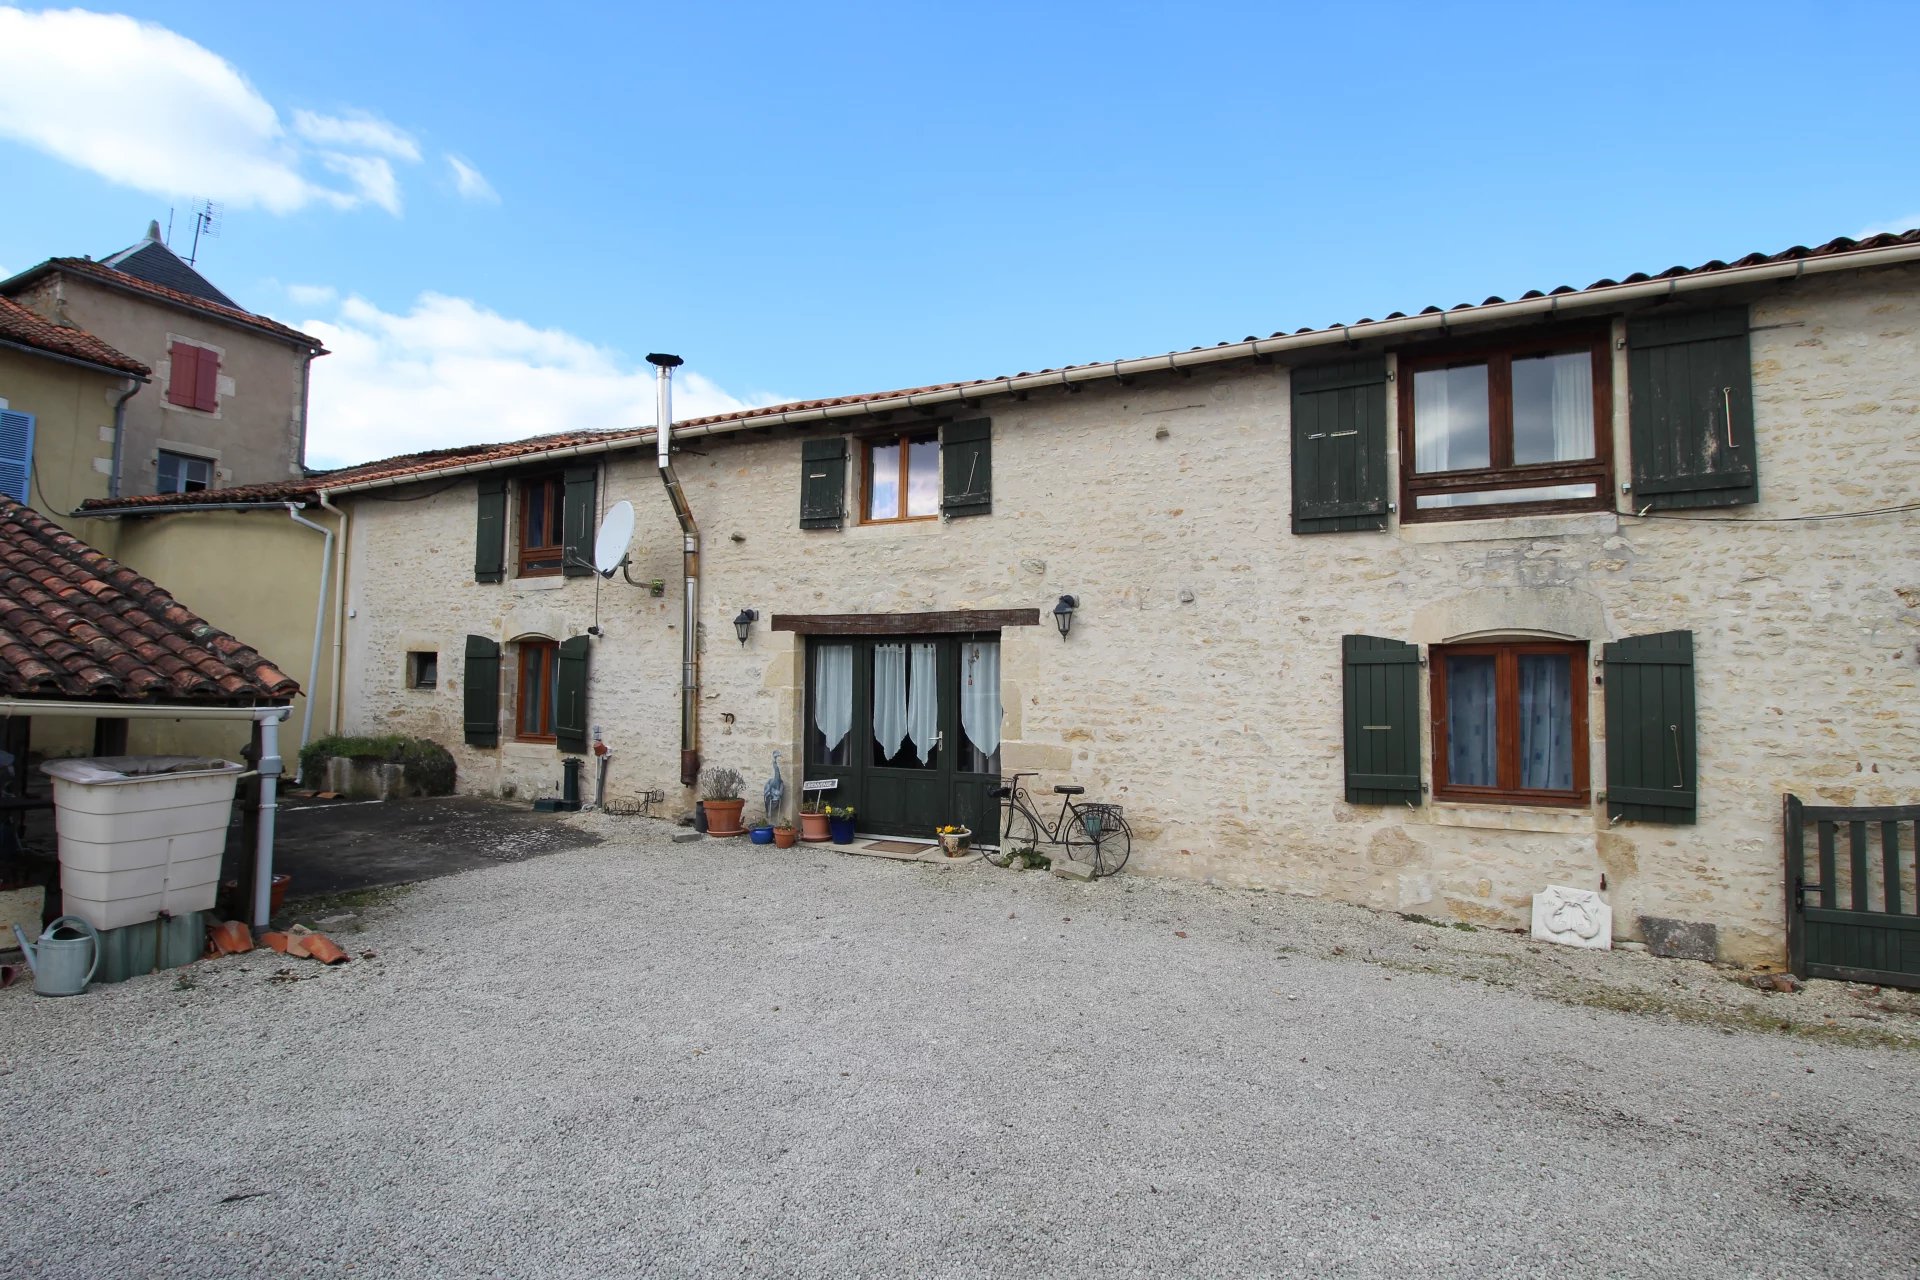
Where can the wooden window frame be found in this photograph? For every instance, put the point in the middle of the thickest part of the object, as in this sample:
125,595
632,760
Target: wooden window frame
523,669
1506,656
552,484
1503,473
903,439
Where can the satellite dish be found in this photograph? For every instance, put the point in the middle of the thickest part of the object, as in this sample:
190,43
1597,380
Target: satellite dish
616,532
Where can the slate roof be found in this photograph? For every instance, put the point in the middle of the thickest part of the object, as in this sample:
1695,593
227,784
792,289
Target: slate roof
91,270
152,261
426,465
30,329
77,625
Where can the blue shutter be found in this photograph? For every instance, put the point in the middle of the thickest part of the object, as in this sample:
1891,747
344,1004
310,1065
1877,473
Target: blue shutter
16,454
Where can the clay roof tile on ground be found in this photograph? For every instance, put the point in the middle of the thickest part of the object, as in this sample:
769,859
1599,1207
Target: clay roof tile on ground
75,624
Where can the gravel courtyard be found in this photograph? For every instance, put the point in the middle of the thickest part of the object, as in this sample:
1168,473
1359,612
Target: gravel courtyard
648,1058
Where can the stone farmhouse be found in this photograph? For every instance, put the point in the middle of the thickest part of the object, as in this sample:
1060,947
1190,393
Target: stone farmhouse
1422,613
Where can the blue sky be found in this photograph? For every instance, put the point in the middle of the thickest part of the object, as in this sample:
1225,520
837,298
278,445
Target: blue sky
818,200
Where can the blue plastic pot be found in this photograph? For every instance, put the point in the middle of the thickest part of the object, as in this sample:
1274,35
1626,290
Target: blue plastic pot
761,835
841,830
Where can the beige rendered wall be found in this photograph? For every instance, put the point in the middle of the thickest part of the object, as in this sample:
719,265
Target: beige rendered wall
253,437
73,430
1201,687
254,574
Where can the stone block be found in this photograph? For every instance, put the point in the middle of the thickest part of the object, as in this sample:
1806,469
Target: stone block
1068,869
1680,939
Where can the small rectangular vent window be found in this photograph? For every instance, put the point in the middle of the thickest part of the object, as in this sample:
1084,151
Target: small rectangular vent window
423,670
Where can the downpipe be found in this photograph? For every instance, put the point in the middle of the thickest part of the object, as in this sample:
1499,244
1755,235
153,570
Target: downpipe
319,619
664,366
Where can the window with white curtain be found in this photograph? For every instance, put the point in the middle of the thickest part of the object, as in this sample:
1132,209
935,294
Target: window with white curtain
906,705
1492,430
830,727
980,709
1510,722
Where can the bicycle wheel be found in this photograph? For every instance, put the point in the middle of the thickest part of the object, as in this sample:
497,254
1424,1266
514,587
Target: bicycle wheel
1099,836
1019,833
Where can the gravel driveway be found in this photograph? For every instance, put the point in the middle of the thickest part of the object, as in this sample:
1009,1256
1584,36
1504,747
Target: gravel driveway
652,1058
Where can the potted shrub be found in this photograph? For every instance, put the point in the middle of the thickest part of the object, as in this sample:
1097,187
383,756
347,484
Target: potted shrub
784,836
840,823
954,840
722,799
813,818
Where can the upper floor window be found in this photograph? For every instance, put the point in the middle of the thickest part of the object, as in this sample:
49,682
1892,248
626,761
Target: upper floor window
1515,429
902,477
543,501
193,379
182,473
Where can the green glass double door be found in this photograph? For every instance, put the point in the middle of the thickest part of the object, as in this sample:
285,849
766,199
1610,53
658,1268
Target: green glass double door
909,729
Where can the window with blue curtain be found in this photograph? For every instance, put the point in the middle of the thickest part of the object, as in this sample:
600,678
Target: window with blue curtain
16,455
1510,722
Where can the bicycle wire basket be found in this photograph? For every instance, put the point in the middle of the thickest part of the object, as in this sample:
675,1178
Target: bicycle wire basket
1097,818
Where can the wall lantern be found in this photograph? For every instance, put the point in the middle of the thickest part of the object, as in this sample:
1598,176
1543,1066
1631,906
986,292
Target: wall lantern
743,623
1063,614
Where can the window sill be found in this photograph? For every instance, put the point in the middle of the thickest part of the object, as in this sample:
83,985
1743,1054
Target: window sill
1511,817
542,582
1572,524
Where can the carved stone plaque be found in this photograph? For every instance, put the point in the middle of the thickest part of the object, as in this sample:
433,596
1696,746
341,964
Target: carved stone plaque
1573,918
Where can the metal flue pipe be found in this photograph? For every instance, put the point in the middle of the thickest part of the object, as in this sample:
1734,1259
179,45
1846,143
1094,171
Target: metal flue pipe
664,365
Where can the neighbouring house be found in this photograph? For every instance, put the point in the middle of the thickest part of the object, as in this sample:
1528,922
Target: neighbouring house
1423,612
78,630
63,393
229,404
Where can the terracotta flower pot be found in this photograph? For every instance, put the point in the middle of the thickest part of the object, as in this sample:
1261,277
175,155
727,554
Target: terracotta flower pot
813,826
783,837
723,817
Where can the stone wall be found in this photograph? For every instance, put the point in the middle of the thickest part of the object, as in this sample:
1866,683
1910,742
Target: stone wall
1201,686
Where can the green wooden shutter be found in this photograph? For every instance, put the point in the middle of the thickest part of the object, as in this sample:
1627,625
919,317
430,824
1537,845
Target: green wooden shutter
1340,480
966,468
1690,414
1382,720
570,695
490,534
576,522
1650,750
823,483
16,455
480,684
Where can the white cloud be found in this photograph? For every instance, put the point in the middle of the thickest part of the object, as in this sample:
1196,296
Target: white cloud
471,182
1895,225
451,372
360,130
308,295
371,176
147,108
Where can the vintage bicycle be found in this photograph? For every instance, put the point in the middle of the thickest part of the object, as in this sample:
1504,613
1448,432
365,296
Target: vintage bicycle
1092,832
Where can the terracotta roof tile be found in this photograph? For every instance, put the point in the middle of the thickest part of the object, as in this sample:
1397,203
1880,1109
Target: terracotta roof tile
92,270
75,624
425,465
30,329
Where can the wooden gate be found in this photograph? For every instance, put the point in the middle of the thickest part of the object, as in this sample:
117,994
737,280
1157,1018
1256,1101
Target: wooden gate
1834,928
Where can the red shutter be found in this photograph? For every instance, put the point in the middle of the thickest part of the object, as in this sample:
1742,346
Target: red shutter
206,393
183,375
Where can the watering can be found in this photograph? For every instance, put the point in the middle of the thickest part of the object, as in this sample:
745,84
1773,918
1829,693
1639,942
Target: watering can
62,965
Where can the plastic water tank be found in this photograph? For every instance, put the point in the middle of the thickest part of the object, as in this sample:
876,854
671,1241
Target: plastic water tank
140,835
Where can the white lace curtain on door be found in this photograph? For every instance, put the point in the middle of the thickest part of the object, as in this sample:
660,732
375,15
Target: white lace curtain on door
906,698
980,694
833,693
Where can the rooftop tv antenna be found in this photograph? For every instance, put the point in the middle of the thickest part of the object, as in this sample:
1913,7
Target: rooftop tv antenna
206,221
